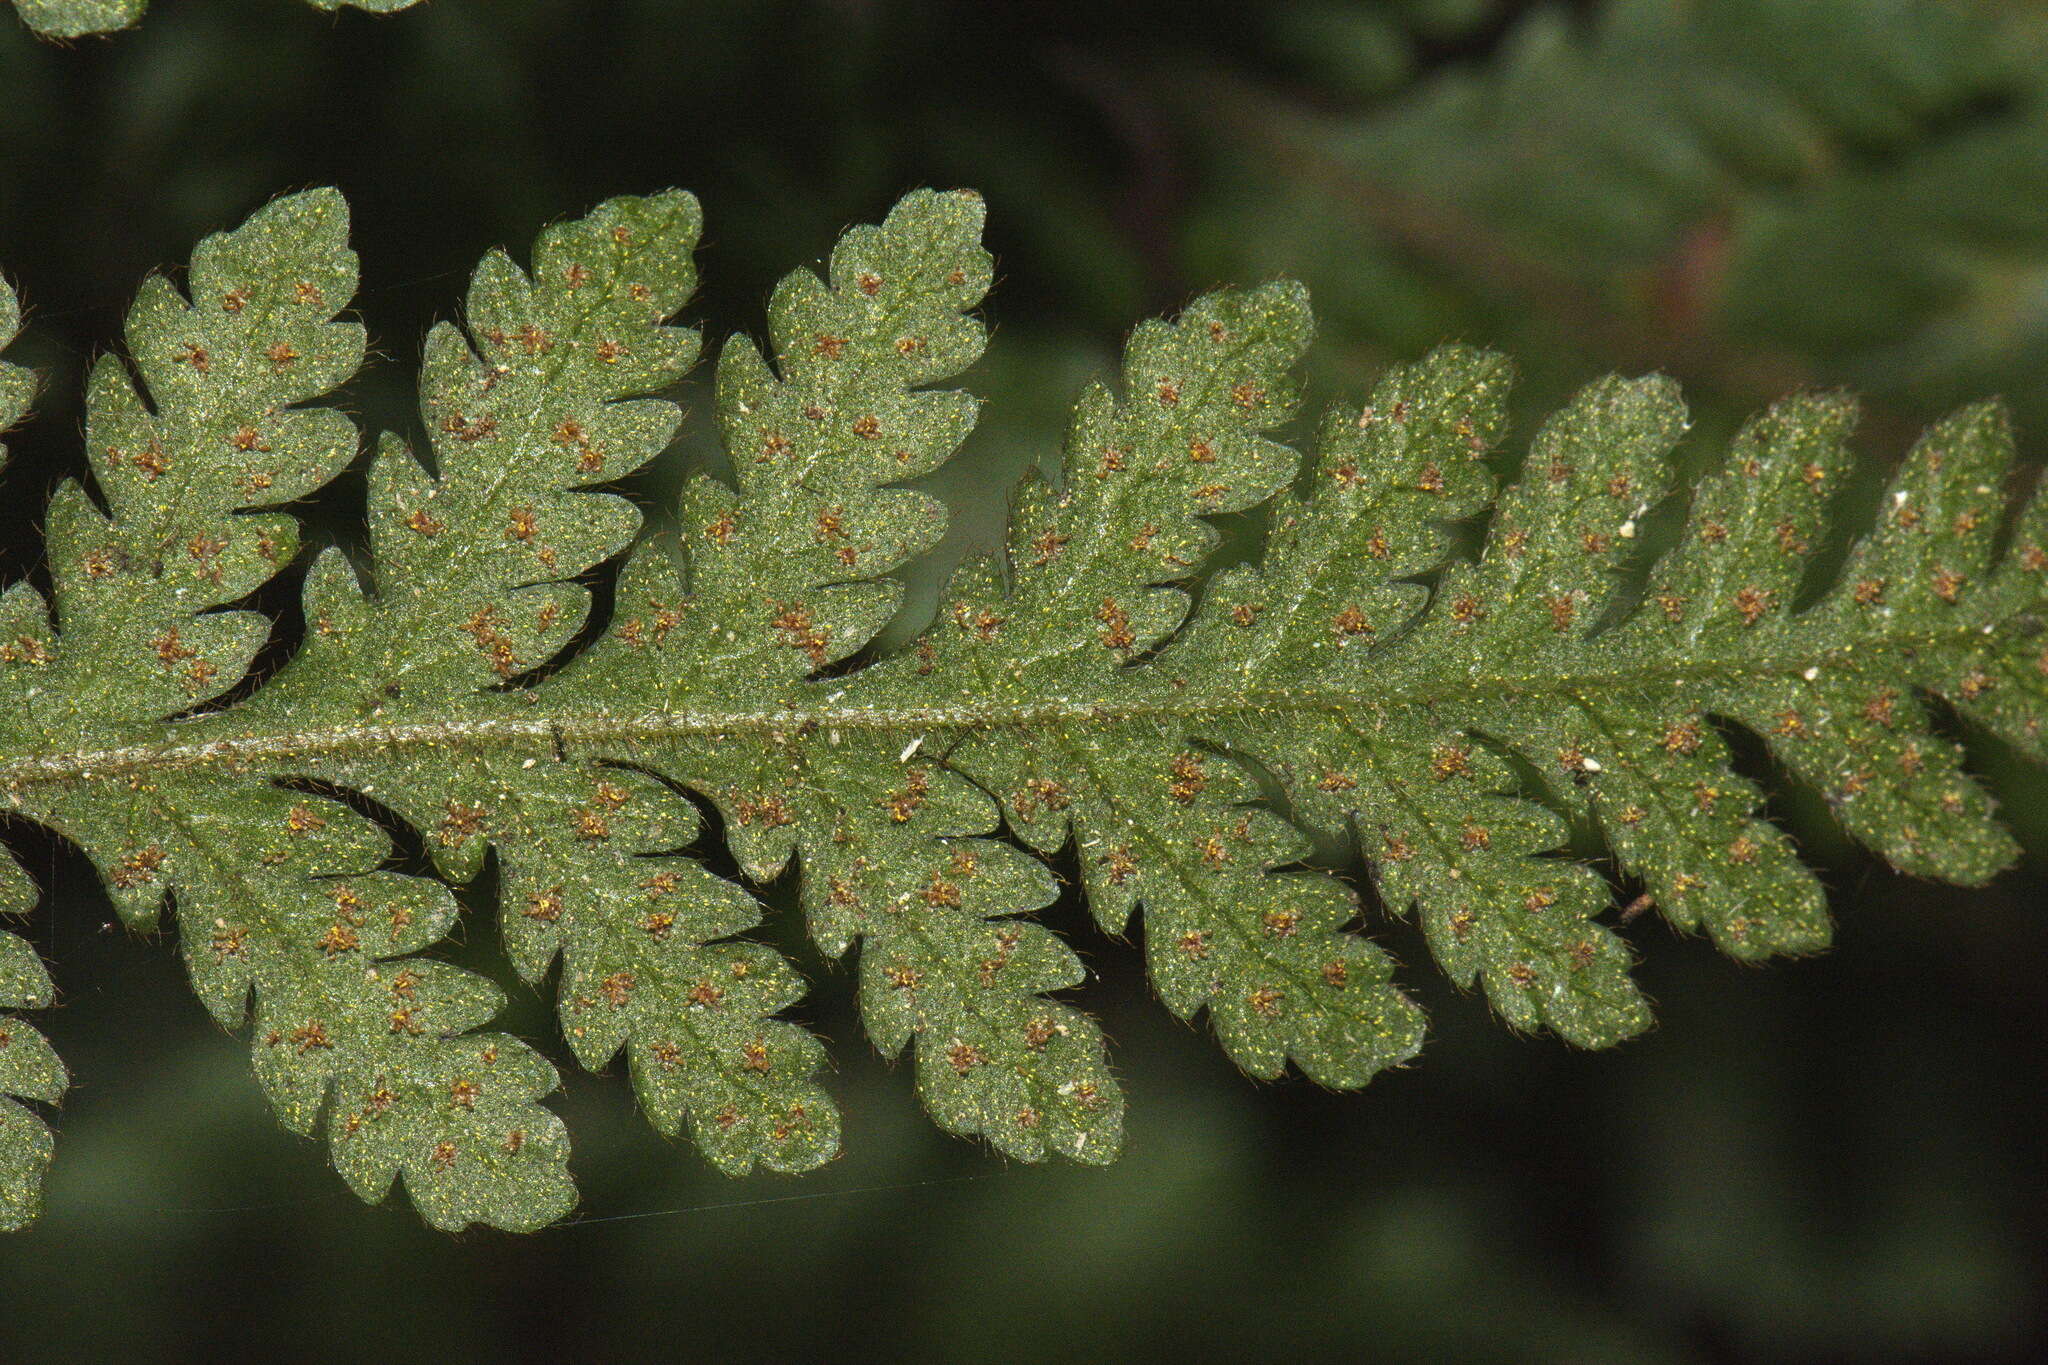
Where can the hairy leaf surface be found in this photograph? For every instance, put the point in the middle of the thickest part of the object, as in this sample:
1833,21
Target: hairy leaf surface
1100,697
29,1069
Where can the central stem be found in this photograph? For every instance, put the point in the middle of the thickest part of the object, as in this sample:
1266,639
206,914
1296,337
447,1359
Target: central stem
543,732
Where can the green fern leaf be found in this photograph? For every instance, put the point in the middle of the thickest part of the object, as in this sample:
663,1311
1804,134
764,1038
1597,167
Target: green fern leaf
1095,693
77,18
540,400
1159,818
82,18
782,581
29,1069
280,894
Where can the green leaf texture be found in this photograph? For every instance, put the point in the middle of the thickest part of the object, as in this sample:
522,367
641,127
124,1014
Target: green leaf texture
82,18
1099,697
29,1069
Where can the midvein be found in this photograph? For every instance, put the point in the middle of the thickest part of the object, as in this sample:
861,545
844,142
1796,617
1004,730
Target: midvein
542,731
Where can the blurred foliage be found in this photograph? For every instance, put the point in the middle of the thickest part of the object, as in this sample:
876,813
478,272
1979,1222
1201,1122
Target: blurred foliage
1831,1160
1754,194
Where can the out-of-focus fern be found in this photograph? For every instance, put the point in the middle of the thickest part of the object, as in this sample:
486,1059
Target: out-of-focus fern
80,18
1760,191
1094,690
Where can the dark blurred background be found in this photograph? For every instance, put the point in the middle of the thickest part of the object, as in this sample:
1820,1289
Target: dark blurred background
1837,1159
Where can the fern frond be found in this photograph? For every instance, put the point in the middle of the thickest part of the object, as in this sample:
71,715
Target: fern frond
1161,820
1095,688
1654,178
538,401
83,18
784,579
280,895
29,1068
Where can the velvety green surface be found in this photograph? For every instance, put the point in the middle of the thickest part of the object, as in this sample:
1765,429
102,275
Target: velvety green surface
1828,1158
1066,688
